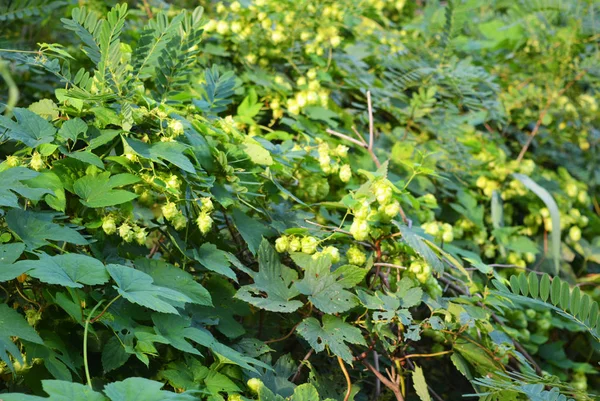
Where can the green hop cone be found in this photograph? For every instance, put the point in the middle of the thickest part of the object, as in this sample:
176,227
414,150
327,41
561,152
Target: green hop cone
575,233
36,161
176,127
140,235
356,256
12,161
282,244
254,384
383,192
345,173
309,245
448,236
207,205
391,210
169,210
204,222
295,244
126,232
333,252
179,221
108,225
360,229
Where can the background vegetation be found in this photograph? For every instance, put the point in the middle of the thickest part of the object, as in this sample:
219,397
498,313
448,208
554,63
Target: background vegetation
293,200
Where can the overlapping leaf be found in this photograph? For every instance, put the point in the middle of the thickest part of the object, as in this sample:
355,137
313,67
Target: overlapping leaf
273,288
138,287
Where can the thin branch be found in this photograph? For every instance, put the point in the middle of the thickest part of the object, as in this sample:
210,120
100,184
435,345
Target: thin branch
359,135
302,363
386,382
405,357
331,228
148,9
284,337
347,376
346,137
377,381
389,265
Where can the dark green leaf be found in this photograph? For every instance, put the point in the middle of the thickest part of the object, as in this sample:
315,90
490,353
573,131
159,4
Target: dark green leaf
30,129
67,270
14,325
169,276
334,334
545,287
214,260
138,287
98,191
273,287
35,229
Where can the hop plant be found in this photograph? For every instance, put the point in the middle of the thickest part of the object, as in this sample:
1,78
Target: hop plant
13,161
282,244
175,127
36,161
108,225
204,222
254,384
383,192
575,233
179,221
391,210
173,182
333,252
126,232
309,245
170,211
345,173
360,229
356,256
140,235
207,205
295,244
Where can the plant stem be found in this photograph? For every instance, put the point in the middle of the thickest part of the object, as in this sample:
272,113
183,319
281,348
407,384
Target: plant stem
347,376
85,336
94,320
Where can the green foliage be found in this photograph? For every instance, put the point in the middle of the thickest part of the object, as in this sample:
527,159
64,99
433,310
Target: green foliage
299,201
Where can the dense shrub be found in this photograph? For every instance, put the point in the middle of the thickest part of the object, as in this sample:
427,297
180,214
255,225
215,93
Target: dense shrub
299,200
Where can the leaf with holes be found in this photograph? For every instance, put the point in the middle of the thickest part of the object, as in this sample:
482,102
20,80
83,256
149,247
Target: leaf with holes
273,287
324,288
334,334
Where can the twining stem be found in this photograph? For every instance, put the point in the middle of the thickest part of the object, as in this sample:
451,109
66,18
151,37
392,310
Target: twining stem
13,91
347,376
371,129
85,336
94,320
405,357
284,337
395,387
